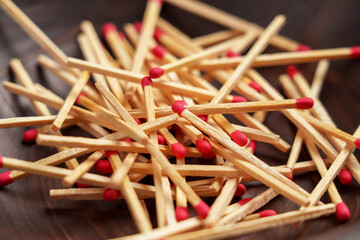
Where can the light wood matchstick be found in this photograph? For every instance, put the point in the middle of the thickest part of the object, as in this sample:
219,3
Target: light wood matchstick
214,38
34,121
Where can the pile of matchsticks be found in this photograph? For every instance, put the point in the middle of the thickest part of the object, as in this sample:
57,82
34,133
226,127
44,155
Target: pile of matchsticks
149,125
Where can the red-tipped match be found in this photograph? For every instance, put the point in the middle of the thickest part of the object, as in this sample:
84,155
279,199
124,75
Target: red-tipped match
156,72
161,139
202,209
357,143
355,52
244,201
203,146
77,101
1,161
108,28
292,70
209,155
159,1
109,153
82,185
239,138
267,213
103,167
237,99
121,36
111,195
178,107
252,145
146,81
30,135
232,54
345,177
137,121
127,140
255,86
303,48
178,150
138,26
158,34
181,213
203,117
342,211
240,190
291,173
5,178
159,51
304,103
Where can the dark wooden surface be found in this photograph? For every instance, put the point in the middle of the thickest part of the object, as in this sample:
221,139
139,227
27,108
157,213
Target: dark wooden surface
27,212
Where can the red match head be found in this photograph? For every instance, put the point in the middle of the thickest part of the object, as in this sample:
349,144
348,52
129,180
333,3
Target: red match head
121,36
237,99
240,190
146,81
77,101
178,150
30,135
292,70
291,173
239,138
103,167
232,54
342,211
345,176
108,28
178,107
82,185
111,195
158,34
137,121
159,51
128,140
255,86
109,153
304,103
355,52
203,146
156,72
203,117
244,201
181,213
209,155
138,26
158,1
202,209
357,143
267,213
303,47
1,161
161,139
5,178
252,145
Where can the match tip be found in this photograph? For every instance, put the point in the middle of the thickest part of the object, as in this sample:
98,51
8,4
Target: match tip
158,1
121,35
1,161
128,140
203,117
357,143
291,173
156,72
137,121
239,138
146,81
237,99
111,195
178,107
178,150
304,103
203,146
161,139
103,167
159,51
209,155
252,145
232,54
77,100
138,26
158,34
30,135
267,213
303,48
181,213
108,28
109,153
202,209
5,178
345,177
82,185
355,52
292,70
255,86
244,201
240,190
342,211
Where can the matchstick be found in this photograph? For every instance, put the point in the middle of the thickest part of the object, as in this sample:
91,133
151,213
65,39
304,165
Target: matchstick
214,38
34,121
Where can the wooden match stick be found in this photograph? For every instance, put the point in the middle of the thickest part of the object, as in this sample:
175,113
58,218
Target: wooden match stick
276,59
34,121
214,38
